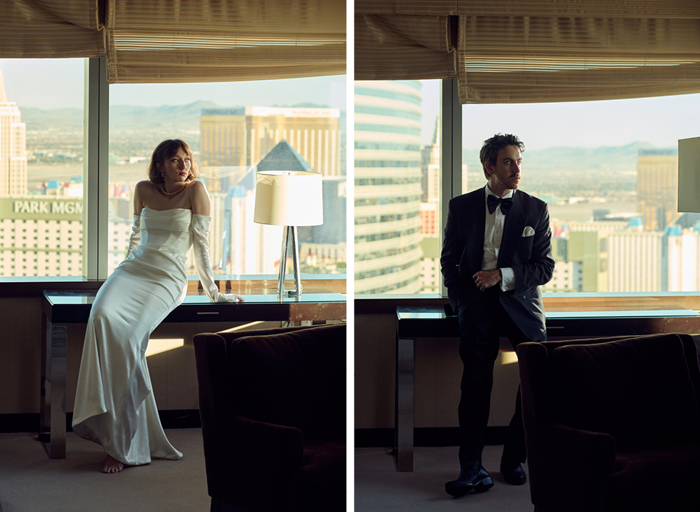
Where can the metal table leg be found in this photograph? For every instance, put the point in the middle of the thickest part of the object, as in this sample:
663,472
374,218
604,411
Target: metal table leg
403,426
52,429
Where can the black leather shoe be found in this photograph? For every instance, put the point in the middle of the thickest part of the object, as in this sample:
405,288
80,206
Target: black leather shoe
472,477
513,474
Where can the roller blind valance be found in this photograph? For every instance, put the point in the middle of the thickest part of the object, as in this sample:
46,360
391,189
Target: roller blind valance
151,41
547,51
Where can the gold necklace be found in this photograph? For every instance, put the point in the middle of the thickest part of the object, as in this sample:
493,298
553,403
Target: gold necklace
170,195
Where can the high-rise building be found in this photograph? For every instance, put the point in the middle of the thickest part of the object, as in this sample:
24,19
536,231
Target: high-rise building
657,187
40,236
388,187
430,264
240,246
682,248
430,245
429,218
636,261
430,168
13,148
590,248
240,137
567,277
626,259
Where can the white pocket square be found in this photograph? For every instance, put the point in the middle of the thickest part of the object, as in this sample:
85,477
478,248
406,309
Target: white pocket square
528,231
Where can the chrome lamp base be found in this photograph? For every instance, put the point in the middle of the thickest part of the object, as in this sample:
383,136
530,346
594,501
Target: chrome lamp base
289,233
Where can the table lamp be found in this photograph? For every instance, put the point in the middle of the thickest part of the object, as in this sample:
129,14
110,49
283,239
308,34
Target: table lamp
288,198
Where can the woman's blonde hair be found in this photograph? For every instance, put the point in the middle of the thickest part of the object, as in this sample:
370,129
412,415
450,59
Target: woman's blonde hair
165,150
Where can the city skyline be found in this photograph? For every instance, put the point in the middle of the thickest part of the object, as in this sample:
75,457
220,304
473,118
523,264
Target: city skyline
613,227
41,230
390,126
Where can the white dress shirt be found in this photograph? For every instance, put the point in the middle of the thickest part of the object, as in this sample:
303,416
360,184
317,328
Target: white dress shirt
493,235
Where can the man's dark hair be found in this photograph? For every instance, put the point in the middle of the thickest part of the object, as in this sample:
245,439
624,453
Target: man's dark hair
491,147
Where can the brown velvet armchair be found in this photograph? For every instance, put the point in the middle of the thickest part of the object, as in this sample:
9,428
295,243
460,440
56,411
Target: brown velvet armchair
273,408
612,424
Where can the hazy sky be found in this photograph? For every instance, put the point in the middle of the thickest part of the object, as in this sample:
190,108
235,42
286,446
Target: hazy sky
659,121
64,83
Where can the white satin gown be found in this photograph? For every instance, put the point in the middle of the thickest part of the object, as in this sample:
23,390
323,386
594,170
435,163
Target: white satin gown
114,403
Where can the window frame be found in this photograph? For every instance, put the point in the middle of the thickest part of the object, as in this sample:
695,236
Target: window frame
450,155
451,186
96,210
96,147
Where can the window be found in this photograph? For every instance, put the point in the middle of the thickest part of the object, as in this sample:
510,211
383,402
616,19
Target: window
41,161
42,177
608,170
397,187
230,127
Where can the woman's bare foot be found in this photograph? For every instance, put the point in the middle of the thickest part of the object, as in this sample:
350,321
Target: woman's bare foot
112,465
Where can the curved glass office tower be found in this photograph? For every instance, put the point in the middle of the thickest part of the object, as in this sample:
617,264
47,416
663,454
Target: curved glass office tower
387,187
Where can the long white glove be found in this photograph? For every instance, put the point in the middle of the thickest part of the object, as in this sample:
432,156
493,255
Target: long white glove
135,238
200,243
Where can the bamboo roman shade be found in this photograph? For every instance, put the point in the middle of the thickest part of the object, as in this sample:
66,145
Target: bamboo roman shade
154,41
50,29
547,51
403,47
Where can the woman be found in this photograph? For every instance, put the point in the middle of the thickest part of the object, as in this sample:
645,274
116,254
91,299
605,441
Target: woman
114,405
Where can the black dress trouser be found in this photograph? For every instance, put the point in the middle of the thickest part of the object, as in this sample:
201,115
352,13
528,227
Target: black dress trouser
482,323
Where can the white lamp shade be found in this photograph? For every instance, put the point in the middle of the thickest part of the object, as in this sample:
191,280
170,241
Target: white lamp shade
289,198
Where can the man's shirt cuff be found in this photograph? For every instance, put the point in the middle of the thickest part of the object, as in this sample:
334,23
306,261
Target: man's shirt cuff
507,279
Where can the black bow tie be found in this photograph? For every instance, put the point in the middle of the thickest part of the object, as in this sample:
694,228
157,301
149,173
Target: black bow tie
493,201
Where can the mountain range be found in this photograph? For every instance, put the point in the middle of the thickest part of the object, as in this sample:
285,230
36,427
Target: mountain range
567,160
605,160
128,118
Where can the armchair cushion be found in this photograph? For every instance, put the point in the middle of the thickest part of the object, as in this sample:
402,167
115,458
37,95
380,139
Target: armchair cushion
553,477
292,379
640,395
666,471
320,482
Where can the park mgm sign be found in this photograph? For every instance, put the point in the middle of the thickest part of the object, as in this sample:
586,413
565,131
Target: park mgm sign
41,208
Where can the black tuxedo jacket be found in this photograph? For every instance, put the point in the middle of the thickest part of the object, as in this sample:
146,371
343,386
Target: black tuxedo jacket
526,246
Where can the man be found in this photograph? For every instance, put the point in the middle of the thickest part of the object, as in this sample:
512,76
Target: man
496,252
